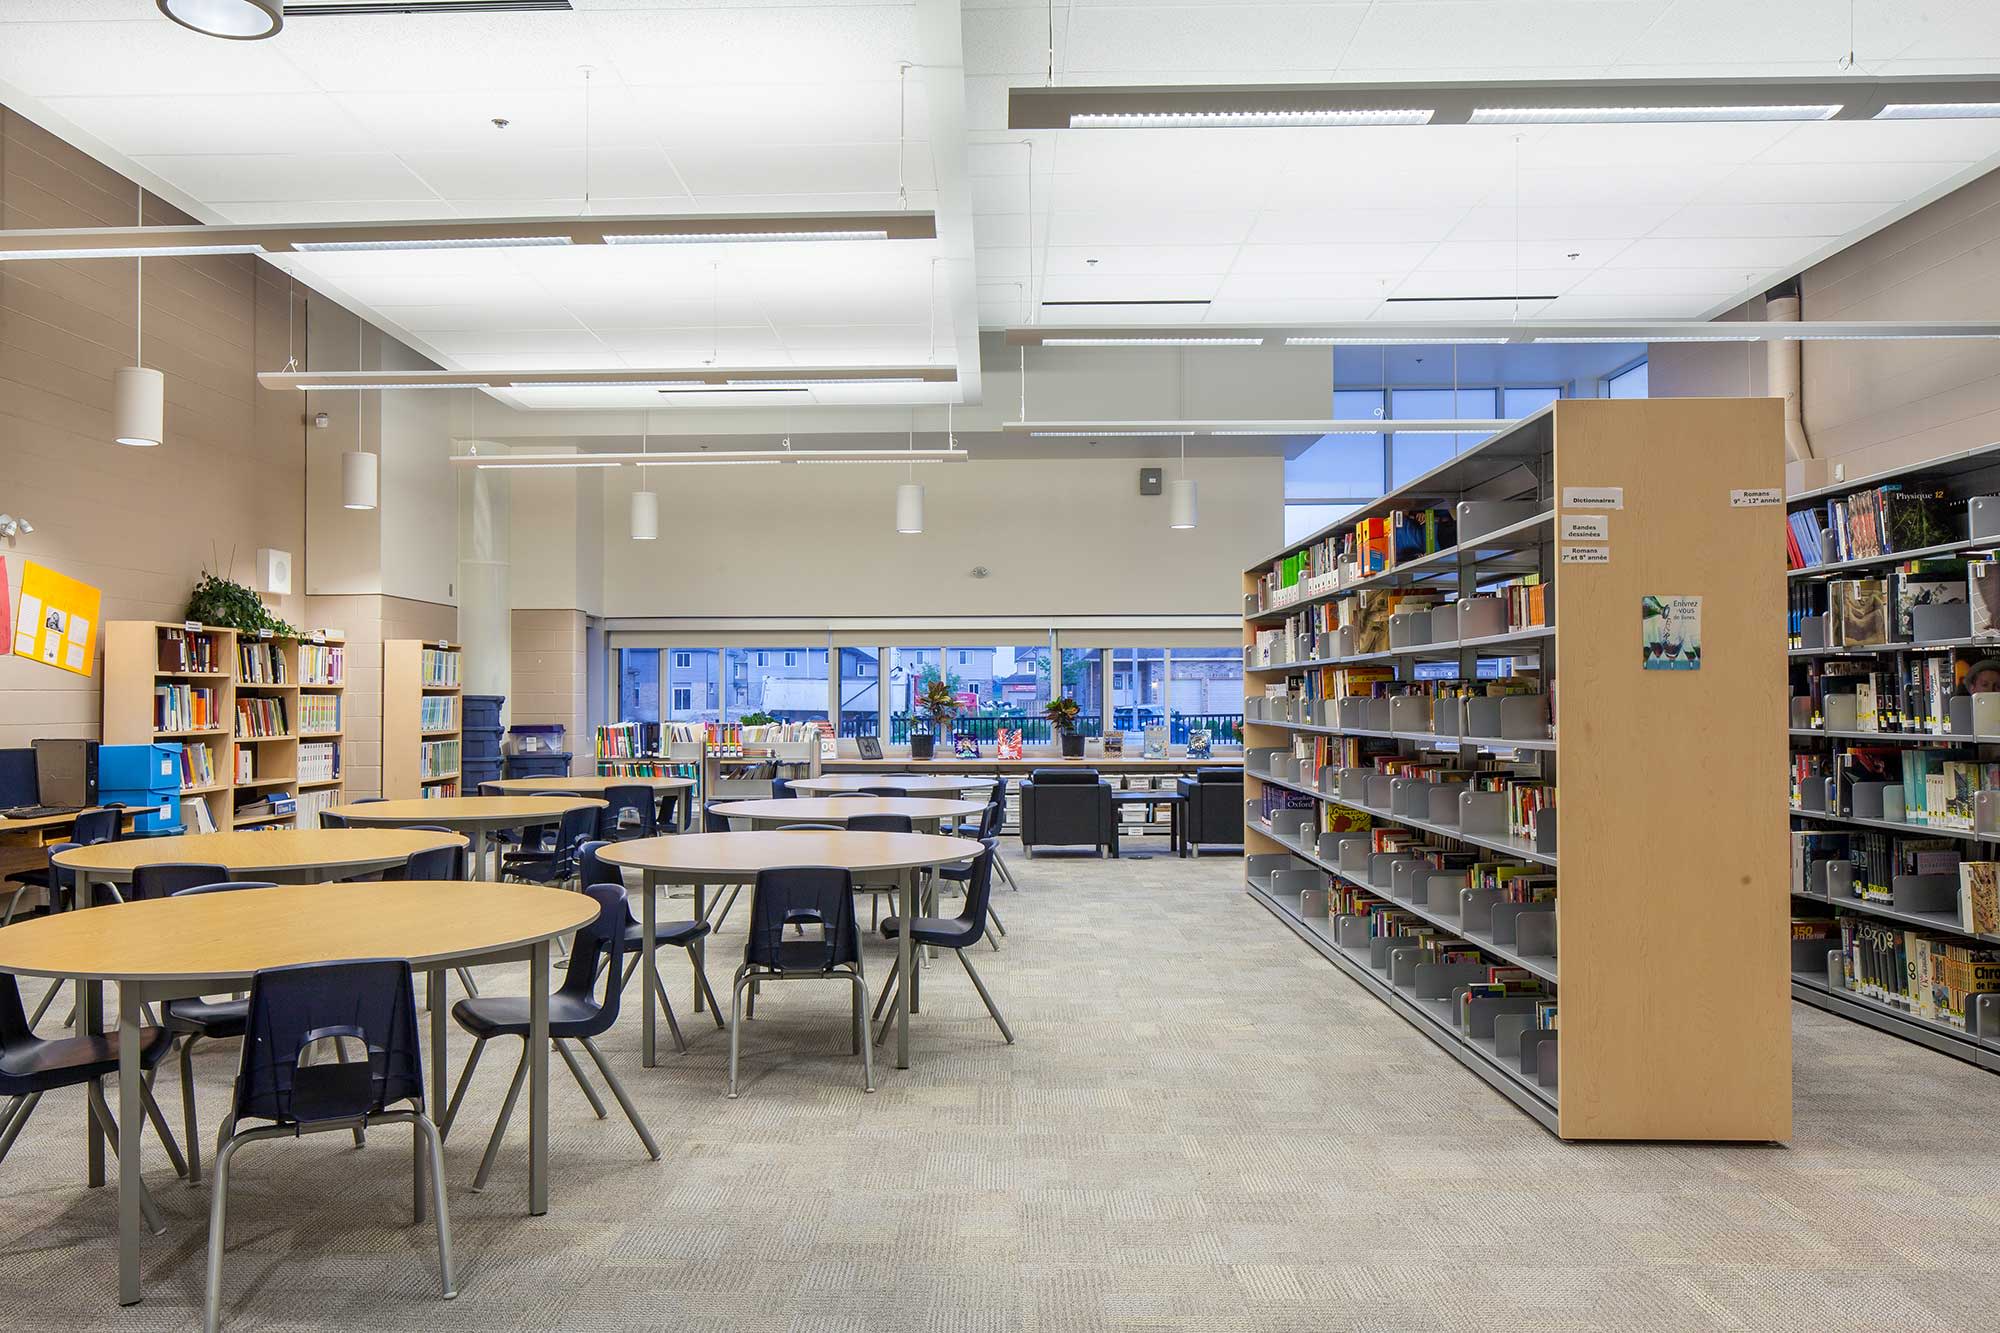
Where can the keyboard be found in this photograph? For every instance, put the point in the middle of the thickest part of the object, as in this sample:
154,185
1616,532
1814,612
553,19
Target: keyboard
38,811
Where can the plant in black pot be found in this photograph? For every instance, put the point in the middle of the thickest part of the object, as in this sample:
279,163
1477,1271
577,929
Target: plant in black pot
939,706
1062,714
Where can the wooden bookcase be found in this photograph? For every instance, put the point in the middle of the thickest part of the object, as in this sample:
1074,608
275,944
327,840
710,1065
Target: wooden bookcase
419,760
1917,914
141,657
1664,953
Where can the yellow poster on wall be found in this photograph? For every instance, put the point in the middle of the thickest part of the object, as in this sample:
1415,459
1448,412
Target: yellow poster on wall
57,622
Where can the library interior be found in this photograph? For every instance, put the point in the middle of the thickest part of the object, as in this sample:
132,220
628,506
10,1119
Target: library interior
1323,515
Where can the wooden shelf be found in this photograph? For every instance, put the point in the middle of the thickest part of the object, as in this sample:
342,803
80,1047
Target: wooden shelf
403,734
1623,748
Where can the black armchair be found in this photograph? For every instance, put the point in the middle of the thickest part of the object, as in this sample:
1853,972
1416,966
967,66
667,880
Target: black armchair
1067,807
1212,812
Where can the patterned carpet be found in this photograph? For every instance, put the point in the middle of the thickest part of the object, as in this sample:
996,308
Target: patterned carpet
1203,1127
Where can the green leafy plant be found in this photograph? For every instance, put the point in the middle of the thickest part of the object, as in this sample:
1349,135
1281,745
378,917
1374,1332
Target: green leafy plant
1062,713
938,703
227,603
759,719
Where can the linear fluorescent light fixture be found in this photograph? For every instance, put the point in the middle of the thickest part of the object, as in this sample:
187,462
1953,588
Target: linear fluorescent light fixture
461,234
707,458
1151,342
1406,332
539,465
353,8
1512,102
702,379
1384,342
1111,430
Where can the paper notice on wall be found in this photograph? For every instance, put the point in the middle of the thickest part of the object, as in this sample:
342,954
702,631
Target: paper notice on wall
57,623
1586,527
6,611
1762,495
1670,633
1593,497
1586,555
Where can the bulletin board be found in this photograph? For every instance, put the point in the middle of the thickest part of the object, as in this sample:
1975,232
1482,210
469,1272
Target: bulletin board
57,620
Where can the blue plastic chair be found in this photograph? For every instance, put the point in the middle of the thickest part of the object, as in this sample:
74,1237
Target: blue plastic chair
440,863
877,890
633,799
575,1014
328,819
592,870
102,824
986,832
555,861
781,789
291,1009
170,877
800,896
31,1066
199,1019
957,933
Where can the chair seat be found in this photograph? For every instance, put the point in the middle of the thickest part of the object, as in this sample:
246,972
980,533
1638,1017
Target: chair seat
942,932
39,1066
507,1016
207,1018
679,934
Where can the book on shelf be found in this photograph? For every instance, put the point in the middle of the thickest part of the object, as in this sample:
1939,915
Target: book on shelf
185,708
181,651
1983,594
1008,746
437,759
1921,972
1860,612
246,765
195,814
261,719
260,663
1890,518
197,764
319,761
310,803
1918,583
438,668
1154,739
1979,896
322,664
439,791
318,713
437,712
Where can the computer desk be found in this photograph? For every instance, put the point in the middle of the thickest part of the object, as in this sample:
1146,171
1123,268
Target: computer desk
24,843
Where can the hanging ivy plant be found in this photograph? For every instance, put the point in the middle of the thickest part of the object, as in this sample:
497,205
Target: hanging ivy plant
220,601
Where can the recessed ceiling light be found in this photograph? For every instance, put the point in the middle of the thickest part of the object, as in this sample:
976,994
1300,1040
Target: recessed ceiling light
1442,341
1185,120
738,237
1152,342
1939,111
1646,115
234,20
421,243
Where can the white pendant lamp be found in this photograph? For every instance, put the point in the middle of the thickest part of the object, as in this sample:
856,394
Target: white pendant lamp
139,395
360,471
910,507
233,20
645,507
1181,496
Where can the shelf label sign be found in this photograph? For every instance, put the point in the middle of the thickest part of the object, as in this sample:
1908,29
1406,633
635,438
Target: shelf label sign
1593,497
1586,555
1586,527
1761,495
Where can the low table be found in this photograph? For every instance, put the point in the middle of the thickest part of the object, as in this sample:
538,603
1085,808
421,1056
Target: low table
473,815
296,855
1173,800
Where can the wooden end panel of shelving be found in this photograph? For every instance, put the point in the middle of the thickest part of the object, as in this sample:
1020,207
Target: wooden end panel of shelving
1675,1015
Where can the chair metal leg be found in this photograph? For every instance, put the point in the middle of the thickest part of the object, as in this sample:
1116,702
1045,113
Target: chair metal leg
464,1081
159,1120
101,1109
12,903
624,1098
218,1230
701,976
888,983
980,986
465,980
735,1027
576,1072
727,903
187,1108
500,1125
673,1024
35,1019
867,1047
17,1116
428,1132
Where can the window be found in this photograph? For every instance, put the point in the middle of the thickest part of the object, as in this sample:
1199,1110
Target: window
1138,688
792,691
910,670
1303,520
860,693
1631,382
1205,693
693,686
682,661
1083,680
685,680
639,685
683,699
964,658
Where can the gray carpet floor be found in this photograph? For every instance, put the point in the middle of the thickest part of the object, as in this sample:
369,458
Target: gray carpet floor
1203,1126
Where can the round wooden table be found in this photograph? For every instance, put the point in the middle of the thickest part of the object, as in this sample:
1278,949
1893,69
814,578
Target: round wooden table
927,784
702,859
924,813
168,948
476,815
307,855
583,786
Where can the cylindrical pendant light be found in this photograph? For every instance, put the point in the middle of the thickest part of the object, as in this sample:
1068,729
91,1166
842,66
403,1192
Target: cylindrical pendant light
910,507
139,406
645,505
236,20
359,477
1181,496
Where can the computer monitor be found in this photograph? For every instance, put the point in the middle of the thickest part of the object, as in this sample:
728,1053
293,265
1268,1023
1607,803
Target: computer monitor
17,778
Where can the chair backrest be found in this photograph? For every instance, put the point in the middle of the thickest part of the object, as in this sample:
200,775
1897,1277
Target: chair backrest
368,800
164,881
577,826
781,789
978,892
808,828
1220,775
14,1029
1064,777
885,791
223,886
990,820
328,819
714,823
602,939
795,895
105,824
490,789
592,869
999,791
638,800
879,824
293,1007
436,863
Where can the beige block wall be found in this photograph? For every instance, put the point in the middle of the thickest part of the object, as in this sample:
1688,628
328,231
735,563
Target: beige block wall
367,619
550,677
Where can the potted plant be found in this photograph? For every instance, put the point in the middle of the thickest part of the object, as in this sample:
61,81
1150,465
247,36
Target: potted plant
228,604
939,705
1061,714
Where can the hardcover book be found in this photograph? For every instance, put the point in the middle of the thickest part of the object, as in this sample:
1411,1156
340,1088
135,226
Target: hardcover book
1009,744
1983,580
1979,896
1860,609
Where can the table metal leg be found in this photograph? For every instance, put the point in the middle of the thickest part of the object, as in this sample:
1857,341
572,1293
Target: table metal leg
538,1081
906,883
132,1135
649,968
90,1022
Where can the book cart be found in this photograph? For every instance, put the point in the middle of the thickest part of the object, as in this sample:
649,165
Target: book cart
1613,963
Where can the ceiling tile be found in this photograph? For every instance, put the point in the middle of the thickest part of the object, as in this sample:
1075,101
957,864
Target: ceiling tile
498,172
797,169
282,177
1368,225
1112,260
299,121
1344,257
1111,227
1826,183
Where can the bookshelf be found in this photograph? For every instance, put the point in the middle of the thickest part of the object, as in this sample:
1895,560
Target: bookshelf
1618,972
233,702
1895,782
727,761
422,718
